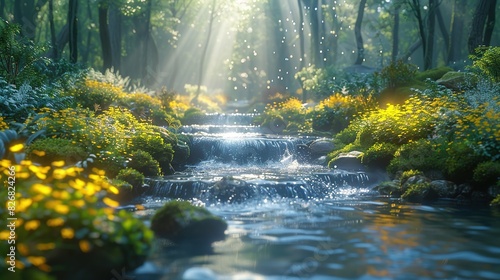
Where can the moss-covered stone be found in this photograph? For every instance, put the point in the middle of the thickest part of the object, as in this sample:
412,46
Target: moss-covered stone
420,192
180,221
433,74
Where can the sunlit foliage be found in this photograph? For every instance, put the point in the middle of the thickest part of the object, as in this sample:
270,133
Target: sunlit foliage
66,222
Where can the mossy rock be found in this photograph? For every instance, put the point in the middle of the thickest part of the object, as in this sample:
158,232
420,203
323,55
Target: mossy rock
388,188
457,80
420,192
433,74
180,221
193,116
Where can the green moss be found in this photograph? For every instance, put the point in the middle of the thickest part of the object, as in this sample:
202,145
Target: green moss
433,74
420,155
379,155
131,176
408,174
460,162
181,221
420,192
193,116
487,173
143,162
48,150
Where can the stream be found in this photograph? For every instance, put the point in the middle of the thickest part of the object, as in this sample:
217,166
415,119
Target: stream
290,217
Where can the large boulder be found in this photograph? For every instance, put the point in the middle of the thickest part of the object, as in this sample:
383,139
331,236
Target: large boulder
456,80
321,147
350,161
229,189
445,189
180,221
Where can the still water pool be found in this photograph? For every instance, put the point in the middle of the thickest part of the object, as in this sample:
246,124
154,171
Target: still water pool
352,238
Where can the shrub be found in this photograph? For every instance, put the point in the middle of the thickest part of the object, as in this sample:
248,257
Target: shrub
487,60
48,150
193,116
131,176
152,143
379,154
95,95
61,213
336,112
287,115
487,173
397,124
19,56
398,74
143,162
460,161
420,155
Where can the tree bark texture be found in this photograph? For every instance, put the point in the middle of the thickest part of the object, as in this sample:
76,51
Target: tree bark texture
107,62
357,33
73,30
478,25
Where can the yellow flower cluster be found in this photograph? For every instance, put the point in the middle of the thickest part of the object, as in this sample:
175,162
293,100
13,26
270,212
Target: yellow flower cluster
3,124
56,206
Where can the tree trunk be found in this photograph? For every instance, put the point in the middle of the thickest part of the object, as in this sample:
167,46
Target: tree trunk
302,45
53,39
115,32
2,8
357,33
412,49
456,33
444,32
415,5
314,10
73,30
86,50
490,23
107,61
395,35
431,27
478,24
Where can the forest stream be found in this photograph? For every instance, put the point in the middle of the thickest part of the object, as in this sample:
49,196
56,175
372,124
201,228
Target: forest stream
293,218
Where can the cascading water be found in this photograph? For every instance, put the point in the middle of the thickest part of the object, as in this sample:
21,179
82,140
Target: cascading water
228,166
290,217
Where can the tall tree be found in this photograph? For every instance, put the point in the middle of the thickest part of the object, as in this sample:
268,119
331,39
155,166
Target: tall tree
107,58
357,33
395,34
483,22
53,40
456,32
431,27
73,30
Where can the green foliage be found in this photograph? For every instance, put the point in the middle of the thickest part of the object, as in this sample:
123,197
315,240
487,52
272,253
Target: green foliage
398,74
131,176
379,154
152,143
420,192
143,162
408,174
59,213
320,83
460,161
192,116
18,56
487,61
54,149
287,116
95,95
18,104
487,173
396,124
420,155
334,113
496,201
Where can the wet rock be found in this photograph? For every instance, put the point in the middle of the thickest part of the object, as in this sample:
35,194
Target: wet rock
413,180
445,189
350,161
388,188
455,80
229,189
180,221
420,192
321,147
480,197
